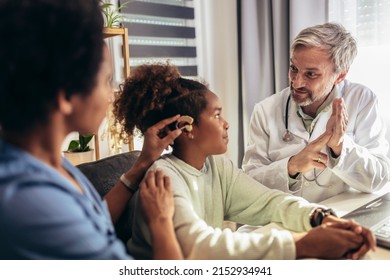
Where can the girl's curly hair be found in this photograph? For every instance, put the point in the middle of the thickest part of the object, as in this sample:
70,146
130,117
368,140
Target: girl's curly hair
154,92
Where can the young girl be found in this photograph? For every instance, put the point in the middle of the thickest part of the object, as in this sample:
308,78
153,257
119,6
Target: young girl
209,189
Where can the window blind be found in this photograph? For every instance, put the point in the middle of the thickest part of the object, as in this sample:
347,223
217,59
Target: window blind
161,30
368,19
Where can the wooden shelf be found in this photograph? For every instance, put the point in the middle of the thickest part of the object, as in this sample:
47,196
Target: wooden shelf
111,32
108,33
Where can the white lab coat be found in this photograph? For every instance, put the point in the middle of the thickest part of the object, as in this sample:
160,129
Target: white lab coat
362,165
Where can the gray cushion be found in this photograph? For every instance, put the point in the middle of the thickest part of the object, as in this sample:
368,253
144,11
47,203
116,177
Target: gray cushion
103,175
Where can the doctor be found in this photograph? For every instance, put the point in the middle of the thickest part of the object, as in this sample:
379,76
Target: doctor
322,134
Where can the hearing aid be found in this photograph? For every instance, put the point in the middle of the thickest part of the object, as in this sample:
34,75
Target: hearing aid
185,123
182,123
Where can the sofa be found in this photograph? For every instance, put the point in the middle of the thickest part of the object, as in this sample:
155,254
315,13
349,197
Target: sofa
103,174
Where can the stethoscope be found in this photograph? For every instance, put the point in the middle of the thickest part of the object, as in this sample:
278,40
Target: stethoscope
287,136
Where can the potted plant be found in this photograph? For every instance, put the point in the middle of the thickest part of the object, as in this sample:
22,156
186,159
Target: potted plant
79,150
110,12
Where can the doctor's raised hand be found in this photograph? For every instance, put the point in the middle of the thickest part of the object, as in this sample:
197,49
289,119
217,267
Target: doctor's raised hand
337,125
311,156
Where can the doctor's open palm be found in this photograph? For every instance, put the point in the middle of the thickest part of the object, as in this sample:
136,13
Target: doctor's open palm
337,125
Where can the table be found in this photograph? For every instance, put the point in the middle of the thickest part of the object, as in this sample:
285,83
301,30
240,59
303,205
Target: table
350,200
341,204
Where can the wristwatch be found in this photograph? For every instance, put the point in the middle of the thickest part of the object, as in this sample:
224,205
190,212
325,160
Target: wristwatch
319,214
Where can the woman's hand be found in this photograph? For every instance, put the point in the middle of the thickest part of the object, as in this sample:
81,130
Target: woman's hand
156,197
118,197
154,145
158,209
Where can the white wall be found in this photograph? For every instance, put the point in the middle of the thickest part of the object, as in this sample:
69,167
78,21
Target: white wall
216,27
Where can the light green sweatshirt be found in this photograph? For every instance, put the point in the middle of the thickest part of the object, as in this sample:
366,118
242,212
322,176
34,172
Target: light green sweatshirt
220,191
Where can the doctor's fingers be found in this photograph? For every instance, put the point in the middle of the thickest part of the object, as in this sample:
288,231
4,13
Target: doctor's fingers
339,131
341,114
307,160
338,105
337,108
320,160
319,143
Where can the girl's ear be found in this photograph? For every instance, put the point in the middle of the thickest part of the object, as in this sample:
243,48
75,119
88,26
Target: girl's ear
64,104
187,134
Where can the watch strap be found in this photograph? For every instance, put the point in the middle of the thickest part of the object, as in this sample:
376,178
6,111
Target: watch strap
128,184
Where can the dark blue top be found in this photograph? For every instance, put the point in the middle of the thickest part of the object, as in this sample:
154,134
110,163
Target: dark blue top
43,216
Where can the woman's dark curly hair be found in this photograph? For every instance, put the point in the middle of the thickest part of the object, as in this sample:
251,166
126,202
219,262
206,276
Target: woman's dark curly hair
154,92
46,46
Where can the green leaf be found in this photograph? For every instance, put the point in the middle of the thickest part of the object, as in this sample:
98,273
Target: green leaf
80,145
73,145
123,5
106,5
84,140
112,19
